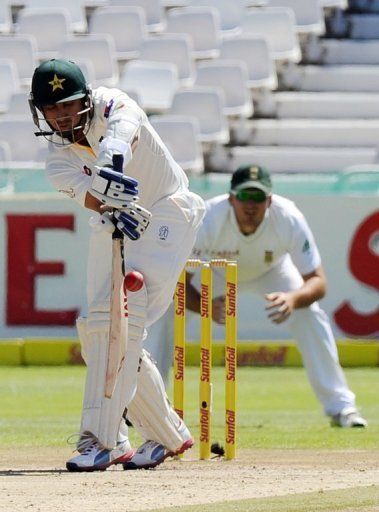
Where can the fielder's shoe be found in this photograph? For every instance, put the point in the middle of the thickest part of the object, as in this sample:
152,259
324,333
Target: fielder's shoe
95,458
150,454
348,418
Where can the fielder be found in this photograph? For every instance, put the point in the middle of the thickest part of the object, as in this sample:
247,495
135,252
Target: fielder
86,128
278,260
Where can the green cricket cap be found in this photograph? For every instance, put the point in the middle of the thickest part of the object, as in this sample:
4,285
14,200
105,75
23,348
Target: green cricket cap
251,176
57,81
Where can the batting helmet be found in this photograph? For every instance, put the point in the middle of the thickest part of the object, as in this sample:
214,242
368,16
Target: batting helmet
56,81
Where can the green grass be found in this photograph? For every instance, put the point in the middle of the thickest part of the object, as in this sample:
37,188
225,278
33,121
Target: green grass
40,406
359,499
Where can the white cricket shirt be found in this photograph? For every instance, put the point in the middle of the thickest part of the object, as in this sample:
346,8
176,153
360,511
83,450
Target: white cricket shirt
284,230
71,168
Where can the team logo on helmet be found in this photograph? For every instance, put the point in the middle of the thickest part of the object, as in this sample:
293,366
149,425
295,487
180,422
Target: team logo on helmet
56,83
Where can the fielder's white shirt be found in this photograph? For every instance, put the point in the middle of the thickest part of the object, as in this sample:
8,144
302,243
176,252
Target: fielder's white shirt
71,169
284,230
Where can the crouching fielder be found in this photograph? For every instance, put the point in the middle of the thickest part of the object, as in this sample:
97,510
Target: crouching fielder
86,129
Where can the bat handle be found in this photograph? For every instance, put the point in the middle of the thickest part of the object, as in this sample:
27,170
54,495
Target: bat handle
117,161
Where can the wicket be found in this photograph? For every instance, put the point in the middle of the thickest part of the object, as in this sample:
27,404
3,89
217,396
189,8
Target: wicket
205,389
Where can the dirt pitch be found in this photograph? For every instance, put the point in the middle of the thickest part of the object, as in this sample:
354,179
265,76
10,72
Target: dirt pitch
35,479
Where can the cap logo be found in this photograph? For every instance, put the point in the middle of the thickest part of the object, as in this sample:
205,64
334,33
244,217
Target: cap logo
56,83
253,171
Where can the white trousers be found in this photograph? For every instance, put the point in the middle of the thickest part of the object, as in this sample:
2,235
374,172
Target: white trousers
310,327
160,256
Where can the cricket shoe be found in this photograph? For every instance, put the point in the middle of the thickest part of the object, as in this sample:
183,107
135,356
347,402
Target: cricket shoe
150,454
96,458
348,418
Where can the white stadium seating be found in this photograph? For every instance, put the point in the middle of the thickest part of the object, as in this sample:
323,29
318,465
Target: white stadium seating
174,48
100,51
327,105
75,7
23,51
5,17
254,52
202,24
153,9
232,77
297,81
207,105
9,82
50,27
278,26
181,135
309,14
126,25
155,83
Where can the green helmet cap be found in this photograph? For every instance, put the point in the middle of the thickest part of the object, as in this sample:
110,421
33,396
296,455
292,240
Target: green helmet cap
56,81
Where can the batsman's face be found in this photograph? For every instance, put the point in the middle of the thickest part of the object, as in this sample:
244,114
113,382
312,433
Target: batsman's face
63,117
249,213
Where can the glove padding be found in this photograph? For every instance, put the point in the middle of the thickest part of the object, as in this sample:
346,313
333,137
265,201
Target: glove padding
132,221
114,189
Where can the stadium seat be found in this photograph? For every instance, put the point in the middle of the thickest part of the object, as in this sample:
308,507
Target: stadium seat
6,23
327,105
9,82
364,26
202,24
301,159
357,78
254,52
309,14
153,9
278,26
174,3
100,51
347,51
23,50
230,11
174,48
181,135
18,104
5,152
155,82
75,8
207,105
127,26
314,132
50,27
232,77
18,132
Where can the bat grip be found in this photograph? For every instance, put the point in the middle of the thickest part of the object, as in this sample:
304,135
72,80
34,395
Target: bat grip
117,162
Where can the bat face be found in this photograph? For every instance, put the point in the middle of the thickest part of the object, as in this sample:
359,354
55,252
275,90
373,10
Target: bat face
118,330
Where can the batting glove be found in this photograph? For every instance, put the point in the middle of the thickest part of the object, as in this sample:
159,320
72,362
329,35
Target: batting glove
114,189
132,221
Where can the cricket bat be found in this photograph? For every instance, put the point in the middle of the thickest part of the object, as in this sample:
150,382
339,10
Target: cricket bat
118,328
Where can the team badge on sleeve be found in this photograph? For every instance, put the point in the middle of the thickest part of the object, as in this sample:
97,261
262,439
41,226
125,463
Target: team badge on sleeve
306,246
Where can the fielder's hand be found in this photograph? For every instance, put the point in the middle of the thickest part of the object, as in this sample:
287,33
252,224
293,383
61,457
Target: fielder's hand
280,306
114,189
218,310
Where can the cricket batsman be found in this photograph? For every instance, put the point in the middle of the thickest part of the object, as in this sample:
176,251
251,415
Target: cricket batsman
150,204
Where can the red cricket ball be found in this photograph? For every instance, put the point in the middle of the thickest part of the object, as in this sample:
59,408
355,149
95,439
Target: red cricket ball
133,281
